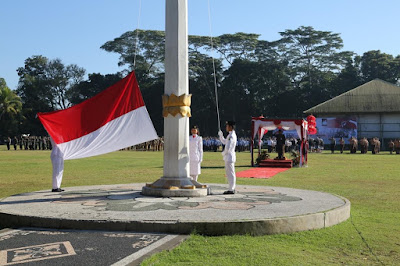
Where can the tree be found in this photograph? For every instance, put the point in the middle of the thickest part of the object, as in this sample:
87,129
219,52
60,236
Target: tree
254,88
149,52
201,84
10,110
95,84
348,78
61,79
375,64
43,87
312,55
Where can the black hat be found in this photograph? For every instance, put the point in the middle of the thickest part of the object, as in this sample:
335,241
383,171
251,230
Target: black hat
195,127
231,123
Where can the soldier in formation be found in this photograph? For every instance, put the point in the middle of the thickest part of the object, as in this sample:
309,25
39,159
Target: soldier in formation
391,146
375,145
342,144
364,145
353,144
333,144
397,146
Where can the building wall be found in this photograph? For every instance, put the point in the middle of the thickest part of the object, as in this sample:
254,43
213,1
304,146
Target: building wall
384,126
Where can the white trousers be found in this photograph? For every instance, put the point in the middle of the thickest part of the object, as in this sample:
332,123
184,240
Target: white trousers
58,170
194,177
230,175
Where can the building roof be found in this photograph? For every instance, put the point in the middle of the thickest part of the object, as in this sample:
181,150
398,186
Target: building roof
376,96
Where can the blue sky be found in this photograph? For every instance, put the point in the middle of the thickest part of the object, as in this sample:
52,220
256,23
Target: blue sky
74,30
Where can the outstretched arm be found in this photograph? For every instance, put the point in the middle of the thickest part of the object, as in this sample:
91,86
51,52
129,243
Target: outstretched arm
221,137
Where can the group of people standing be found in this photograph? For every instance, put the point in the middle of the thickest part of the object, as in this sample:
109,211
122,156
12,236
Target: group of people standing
290,144
154,145
214,144
26,142
363,144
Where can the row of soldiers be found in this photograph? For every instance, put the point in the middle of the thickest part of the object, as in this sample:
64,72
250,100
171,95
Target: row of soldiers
26,142
364,144
209,144
154,145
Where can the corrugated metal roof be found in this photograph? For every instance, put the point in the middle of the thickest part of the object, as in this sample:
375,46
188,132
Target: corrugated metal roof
376,96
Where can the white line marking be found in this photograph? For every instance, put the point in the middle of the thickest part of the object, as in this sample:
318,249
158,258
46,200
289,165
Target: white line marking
144,251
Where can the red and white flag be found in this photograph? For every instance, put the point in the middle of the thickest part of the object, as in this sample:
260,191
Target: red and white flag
112,120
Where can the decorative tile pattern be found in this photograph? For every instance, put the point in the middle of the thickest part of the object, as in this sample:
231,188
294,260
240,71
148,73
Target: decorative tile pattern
36,253
132,200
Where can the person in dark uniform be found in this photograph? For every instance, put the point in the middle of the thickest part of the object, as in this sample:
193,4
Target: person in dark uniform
8,143
20,141
333,144
15,142
280,145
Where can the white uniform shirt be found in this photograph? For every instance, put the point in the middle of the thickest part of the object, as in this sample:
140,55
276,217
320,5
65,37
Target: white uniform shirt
229,153
195,154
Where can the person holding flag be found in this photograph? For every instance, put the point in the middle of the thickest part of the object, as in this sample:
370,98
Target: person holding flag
114,119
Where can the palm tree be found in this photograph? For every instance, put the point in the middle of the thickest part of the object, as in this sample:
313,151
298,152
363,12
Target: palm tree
10,103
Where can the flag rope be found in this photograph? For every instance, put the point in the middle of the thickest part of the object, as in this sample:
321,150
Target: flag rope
213,63
137,34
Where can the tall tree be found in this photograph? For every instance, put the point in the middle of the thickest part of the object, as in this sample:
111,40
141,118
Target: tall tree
309,53
148,45
201,84
95,84
43,86
375,64
253,88
10,110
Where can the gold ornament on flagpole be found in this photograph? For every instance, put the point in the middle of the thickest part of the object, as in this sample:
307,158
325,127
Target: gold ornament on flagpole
174,105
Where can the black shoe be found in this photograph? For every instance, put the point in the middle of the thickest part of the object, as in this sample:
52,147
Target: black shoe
57,190
229,192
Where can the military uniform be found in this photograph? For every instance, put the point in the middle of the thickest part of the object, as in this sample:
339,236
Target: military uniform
280,145
333,144
391,146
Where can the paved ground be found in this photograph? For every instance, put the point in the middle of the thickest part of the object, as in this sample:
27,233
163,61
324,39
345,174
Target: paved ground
124,205
62,247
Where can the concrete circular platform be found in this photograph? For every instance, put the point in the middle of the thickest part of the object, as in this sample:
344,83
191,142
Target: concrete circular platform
254,210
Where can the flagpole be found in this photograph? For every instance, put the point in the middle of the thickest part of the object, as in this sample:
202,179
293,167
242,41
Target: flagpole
176,181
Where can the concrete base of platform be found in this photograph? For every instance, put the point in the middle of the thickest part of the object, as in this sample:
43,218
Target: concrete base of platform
254,210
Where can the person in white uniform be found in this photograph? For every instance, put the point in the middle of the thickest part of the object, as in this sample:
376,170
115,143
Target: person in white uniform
229,155
195,153
57,161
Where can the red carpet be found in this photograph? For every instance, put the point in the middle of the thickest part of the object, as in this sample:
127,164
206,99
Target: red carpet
260,172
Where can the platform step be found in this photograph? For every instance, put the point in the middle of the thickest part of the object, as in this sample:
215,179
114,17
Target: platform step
276,163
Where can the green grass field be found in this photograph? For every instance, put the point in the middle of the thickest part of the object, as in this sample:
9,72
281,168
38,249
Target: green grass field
370,182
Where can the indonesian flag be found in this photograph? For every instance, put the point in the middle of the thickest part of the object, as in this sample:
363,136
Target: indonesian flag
112,120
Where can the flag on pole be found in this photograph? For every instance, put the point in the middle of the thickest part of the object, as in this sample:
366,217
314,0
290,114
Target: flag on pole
112,120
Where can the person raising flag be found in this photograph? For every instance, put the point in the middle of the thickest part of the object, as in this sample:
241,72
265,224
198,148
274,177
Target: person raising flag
229,155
